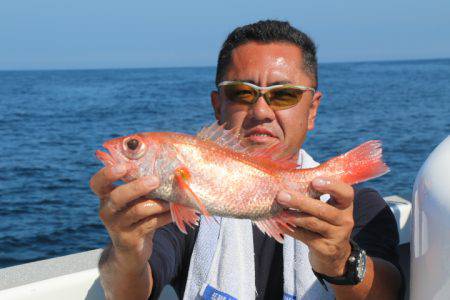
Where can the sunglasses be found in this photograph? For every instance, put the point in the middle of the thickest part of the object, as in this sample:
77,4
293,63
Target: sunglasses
278,97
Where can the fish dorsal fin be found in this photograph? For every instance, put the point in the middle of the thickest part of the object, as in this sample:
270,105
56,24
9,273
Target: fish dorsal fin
274,156
227,138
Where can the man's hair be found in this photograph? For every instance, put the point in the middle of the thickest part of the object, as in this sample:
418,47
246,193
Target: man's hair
268,31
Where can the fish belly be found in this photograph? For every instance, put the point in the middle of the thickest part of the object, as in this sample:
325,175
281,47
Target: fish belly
237,190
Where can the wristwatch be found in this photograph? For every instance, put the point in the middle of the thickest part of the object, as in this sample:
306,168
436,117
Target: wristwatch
355,269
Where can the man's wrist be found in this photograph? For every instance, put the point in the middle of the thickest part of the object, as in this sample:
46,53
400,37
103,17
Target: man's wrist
123,279
354,270
128,262
338,266
342,266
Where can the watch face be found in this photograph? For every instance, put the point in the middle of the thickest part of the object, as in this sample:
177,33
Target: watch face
361,265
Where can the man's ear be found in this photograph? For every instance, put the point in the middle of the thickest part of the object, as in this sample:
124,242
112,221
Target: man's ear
313,109
215,102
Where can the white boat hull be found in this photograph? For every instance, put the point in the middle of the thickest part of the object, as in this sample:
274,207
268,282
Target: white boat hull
430,245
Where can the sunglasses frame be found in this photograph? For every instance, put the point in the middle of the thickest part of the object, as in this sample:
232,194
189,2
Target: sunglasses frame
258,89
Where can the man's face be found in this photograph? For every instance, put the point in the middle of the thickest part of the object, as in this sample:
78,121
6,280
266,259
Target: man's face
266,65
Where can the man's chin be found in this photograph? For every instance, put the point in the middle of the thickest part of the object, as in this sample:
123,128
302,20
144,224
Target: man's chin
259,144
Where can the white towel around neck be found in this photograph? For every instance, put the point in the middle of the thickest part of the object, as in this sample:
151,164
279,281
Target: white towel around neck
222,264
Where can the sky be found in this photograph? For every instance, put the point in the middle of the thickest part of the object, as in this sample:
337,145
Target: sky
62,34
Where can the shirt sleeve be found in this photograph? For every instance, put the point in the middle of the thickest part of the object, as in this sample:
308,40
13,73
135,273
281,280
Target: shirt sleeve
375,227
169,261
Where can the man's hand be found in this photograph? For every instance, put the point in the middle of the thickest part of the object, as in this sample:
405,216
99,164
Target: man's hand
131,221
324,227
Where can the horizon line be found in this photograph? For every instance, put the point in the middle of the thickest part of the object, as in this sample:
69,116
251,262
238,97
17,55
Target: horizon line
200,66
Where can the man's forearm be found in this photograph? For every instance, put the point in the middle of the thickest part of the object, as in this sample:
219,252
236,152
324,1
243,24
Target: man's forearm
123,280
382,281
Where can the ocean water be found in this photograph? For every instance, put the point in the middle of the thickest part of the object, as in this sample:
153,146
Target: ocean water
51,122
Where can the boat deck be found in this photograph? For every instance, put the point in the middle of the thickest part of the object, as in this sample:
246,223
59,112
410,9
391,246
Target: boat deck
76,276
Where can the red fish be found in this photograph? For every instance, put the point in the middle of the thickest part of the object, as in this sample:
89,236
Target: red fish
214,173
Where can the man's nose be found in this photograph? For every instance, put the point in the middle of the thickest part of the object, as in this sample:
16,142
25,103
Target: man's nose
261,111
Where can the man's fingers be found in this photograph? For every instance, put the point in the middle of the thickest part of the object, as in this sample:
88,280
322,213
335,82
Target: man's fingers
152,223
310,223
304,235
342,193
315,242
102,182
310,206
142,210
122,195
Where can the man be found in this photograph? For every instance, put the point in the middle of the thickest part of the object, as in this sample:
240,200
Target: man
148,252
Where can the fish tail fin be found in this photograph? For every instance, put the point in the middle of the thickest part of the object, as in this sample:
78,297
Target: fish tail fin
359,164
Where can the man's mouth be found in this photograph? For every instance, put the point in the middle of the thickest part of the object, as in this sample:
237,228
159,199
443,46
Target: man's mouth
260,135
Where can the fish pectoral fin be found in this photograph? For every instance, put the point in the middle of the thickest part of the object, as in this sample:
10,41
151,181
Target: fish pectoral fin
182,176
182,214
273,227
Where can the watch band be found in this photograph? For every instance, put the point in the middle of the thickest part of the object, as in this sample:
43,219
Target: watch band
355,269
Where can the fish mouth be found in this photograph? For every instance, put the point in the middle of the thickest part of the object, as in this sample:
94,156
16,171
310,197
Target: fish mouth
105,157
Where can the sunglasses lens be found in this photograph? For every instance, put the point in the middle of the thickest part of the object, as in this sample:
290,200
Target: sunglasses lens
282,98
239,92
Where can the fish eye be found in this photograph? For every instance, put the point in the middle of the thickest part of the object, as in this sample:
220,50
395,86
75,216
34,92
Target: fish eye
134,147
132,144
